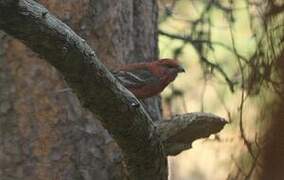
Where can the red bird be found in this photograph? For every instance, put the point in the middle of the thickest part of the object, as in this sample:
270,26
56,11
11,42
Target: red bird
148,79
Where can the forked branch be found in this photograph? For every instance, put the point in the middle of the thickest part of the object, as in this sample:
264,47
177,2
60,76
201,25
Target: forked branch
130,126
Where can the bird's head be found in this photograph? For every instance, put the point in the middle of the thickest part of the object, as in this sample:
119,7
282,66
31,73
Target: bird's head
170,65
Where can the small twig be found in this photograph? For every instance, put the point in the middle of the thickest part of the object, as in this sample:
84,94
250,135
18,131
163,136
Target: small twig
199,41
243,136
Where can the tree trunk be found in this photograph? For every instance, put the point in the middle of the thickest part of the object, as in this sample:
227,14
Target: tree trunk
50,136
44,132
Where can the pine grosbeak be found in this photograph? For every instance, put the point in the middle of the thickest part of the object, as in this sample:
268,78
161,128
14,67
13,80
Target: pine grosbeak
148,79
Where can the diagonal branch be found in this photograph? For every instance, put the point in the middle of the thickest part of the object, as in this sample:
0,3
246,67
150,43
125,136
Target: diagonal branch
95,86
101,93
179,133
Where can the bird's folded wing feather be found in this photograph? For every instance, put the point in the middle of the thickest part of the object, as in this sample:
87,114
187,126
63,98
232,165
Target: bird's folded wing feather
136,78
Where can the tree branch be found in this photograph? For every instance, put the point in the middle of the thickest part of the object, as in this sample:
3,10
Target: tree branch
194,42
101,93
179,133
94,85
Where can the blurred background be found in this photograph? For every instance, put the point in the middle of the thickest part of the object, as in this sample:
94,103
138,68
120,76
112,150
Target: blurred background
233,53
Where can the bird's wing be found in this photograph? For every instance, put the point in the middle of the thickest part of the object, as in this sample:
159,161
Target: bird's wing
136,78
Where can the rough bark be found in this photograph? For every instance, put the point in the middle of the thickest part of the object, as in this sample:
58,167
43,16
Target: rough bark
178,133
40,109
98,91
45,134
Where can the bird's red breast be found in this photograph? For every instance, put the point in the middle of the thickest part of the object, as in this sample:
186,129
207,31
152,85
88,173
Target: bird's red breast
148,79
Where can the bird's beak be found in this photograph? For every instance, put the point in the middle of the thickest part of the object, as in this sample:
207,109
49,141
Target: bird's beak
180,69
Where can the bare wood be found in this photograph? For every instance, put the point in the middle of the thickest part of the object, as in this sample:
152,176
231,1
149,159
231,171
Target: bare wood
99,91
96,88
179,133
